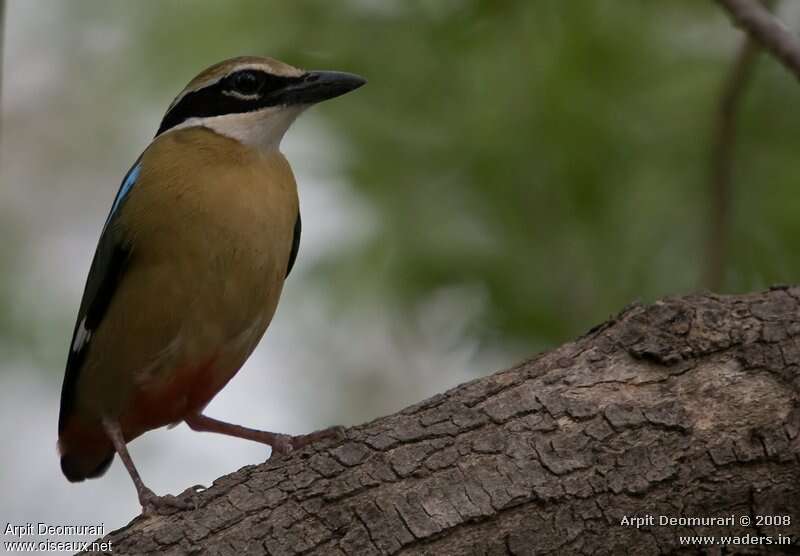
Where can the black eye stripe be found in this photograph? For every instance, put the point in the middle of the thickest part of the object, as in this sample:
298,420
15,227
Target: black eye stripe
267,82
223,97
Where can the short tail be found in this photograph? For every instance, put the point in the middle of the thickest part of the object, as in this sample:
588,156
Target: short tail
77,469
86,452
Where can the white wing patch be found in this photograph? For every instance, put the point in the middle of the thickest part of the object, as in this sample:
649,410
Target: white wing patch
82,336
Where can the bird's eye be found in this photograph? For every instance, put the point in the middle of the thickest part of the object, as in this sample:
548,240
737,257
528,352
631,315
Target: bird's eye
246,82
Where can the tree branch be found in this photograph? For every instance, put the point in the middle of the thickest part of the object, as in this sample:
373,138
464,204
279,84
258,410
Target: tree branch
684,408
759,23
2,44
723,141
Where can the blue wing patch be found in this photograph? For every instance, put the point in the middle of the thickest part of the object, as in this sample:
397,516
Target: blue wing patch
125,188
111,260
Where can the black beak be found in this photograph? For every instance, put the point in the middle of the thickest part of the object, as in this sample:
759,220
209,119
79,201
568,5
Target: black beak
316,86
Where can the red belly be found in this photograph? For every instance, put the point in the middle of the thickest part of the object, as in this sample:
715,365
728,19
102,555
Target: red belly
185,393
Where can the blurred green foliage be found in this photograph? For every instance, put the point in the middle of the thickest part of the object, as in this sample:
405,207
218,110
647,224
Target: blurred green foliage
553,154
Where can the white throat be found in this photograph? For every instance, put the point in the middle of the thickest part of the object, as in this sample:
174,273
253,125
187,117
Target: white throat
262,129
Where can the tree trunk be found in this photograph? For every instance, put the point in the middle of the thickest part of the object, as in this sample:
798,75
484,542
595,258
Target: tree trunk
686,408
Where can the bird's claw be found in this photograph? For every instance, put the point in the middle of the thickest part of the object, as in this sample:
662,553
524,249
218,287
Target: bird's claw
335,432
152,504
285,444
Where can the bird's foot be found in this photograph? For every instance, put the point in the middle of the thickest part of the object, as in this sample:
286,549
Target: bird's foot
285,444
281,445
331,433
192,496
152,504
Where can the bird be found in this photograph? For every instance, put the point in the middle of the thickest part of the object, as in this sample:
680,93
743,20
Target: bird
189,268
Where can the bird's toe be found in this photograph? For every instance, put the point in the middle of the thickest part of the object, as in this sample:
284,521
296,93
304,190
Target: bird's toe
153,504
331,433
282,445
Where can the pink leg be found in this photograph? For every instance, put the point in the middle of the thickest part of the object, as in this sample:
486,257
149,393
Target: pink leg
281,443
147,498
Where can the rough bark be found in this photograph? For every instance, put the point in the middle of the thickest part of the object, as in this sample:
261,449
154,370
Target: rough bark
687,407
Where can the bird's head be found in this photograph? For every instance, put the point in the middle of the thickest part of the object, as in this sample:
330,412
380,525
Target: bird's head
253,99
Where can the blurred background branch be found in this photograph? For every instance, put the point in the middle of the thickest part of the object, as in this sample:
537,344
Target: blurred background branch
2,39
757,21
722,147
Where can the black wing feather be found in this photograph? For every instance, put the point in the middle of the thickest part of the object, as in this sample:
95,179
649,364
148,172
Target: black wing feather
295,245
108,266
111,259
